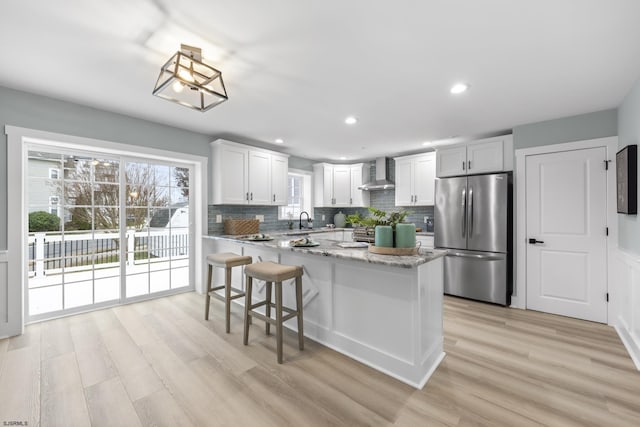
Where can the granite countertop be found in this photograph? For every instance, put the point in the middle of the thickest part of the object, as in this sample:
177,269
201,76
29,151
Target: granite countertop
330,248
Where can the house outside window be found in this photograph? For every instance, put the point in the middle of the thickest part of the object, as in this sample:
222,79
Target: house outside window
53,205
54,173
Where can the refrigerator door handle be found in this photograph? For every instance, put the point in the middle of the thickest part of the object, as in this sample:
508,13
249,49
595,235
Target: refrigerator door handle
476,256
464,210
470,211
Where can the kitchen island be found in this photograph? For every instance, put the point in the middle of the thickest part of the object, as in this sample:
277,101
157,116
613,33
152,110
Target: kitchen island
384,311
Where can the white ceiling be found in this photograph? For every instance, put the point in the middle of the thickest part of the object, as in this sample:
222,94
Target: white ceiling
294,69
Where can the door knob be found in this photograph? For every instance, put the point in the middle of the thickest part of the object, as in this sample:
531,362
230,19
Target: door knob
534,241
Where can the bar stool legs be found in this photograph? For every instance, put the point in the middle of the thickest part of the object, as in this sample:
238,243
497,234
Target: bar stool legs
247,308
227,261
299,309
273,274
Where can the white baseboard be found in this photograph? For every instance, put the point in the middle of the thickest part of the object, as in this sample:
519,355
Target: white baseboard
631,344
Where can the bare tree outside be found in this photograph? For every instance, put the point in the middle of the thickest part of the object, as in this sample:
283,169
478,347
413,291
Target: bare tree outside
91,191
182,180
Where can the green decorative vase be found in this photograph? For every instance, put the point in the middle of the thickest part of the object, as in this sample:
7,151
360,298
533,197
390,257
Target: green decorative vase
405,235
384,236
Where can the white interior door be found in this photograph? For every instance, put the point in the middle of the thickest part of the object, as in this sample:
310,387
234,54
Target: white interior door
566,233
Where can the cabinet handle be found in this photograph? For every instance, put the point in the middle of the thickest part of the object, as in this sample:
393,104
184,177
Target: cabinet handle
415,198
463,165
469,164
251,196
274,197
247,196
350,200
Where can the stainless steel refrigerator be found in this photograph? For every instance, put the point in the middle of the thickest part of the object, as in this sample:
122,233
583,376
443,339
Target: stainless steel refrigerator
473,220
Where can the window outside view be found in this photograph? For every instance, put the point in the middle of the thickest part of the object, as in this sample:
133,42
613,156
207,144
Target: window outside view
296,197
76,222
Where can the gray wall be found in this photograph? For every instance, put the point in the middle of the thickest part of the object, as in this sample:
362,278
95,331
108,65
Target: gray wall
598,124
629,133
38,112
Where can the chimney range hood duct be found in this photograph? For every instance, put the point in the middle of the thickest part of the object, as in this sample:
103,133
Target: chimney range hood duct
381,182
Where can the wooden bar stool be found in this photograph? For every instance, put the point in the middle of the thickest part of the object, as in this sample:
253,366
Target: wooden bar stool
226,260
272,272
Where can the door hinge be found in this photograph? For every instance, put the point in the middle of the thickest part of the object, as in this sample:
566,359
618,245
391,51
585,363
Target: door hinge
607,230
606,164
607,296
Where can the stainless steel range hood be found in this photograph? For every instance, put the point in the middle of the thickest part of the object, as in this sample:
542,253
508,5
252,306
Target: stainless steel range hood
381,182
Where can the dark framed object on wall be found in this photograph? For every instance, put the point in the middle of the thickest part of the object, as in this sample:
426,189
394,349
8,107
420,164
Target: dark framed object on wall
627,179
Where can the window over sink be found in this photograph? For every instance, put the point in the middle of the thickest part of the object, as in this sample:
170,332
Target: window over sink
298,195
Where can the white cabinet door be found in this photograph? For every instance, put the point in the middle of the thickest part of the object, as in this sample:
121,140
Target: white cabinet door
259,178
327,190
404,182
279,172
451,161
359,198
232,175
424,180
485,156
342,185
425,241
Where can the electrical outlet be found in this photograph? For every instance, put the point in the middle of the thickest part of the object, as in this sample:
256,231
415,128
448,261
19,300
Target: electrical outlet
323,218
426,218
260,218
218,218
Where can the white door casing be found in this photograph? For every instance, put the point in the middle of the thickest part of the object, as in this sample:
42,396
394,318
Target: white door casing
566,208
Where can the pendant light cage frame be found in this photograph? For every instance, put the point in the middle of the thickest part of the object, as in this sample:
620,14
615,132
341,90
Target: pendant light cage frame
185,79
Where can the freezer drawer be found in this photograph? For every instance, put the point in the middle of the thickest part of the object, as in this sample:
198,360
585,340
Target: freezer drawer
478,275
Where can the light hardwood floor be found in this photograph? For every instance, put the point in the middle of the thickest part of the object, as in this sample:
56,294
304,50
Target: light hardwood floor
159,363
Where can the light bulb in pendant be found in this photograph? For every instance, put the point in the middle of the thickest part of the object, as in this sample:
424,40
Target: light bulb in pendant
177,86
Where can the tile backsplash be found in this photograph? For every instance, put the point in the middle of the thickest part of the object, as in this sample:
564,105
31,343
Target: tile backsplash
384,200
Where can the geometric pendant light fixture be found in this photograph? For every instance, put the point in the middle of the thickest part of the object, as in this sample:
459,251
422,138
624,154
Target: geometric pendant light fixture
187,80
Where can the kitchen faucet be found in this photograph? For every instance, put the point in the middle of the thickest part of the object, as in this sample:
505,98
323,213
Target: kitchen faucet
309,220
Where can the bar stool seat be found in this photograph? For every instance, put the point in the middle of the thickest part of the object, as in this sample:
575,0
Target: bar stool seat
226,260
272,272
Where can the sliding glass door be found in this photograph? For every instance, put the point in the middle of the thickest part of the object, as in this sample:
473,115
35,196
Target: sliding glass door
85,249
157,232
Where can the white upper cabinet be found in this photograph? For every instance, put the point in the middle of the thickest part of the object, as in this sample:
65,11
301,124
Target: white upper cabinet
415,180
451,161
231,174
259,178
342,185
358,197
337,185
246,175
482,156
279,173
404,181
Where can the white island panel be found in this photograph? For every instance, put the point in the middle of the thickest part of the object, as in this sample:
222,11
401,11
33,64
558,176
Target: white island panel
386,316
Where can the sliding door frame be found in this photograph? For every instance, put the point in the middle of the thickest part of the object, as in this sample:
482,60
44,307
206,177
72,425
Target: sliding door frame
18,141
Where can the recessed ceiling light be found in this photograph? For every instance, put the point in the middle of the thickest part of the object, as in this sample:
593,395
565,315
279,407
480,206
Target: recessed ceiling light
459,88
279,141
343,158
351,120
426,143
